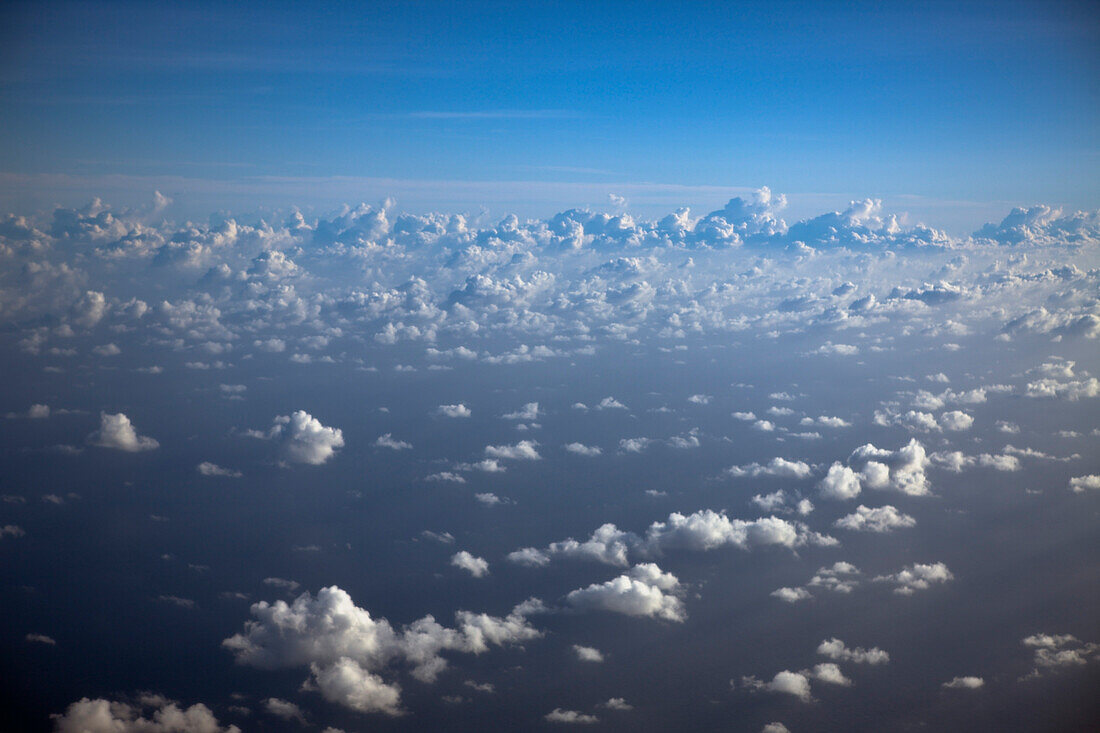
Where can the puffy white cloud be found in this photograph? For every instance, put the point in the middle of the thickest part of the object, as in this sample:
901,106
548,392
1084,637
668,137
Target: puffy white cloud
880,519
458,410
830,673
1081,484
918,576
836,649
388,441
700,399
785,683
303,439
11,530
206,468
841,577
610,403
964,683
475,566
116,431
587,653
775,728
775,467
634,445
329,630
530,411
573,717
791,595
521,451
616,703
284,709
581,449
840,482
346,683
1054,651
956,420
164,716
645,590
899,470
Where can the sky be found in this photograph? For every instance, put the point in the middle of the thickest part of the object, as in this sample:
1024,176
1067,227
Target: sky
624,367
953,109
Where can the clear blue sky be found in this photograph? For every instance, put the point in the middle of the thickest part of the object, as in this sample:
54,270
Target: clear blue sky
949,101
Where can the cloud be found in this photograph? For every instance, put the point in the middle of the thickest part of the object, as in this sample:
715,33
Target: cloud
303,439
780,467
645,590
475,566
916,577
344,646
521,451
116,431
1081,484
164,716
206,468
284,709
581,449
791,595
786,682
1055,651
881,519
388,441
964,683
837,650
530,411
610,403
616,703
587,653
459,410
11,530
573,717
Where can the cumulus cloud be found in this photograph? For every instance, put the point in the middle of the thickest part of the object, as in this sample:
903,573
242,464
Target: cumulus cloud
149,714
530,411
349,652
918,576
645,590
206,468
572,717
837,650
964,683
581,449
1053,652
880,519
780,467
303,439
475,566
587,653
1081,484
521,451
388,441
116,431
457,410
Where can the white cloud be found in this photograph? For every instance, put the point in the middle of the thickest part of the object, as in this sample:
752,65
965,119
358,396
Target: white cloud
573,717
165,716
964,683
344,646
784,683
206,468
521,451
1054,651
700,399
388,441
840,482
634,445
458,410
1081,484
881,519
475,566
284,709
587,653
581,449
645,590
791,595
116,431
616,703
530,411
610,403
918,576
836,649
302,438
780,467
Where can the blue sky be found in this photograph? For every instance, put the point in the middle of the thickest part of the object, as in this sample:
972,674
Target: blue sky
958,104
